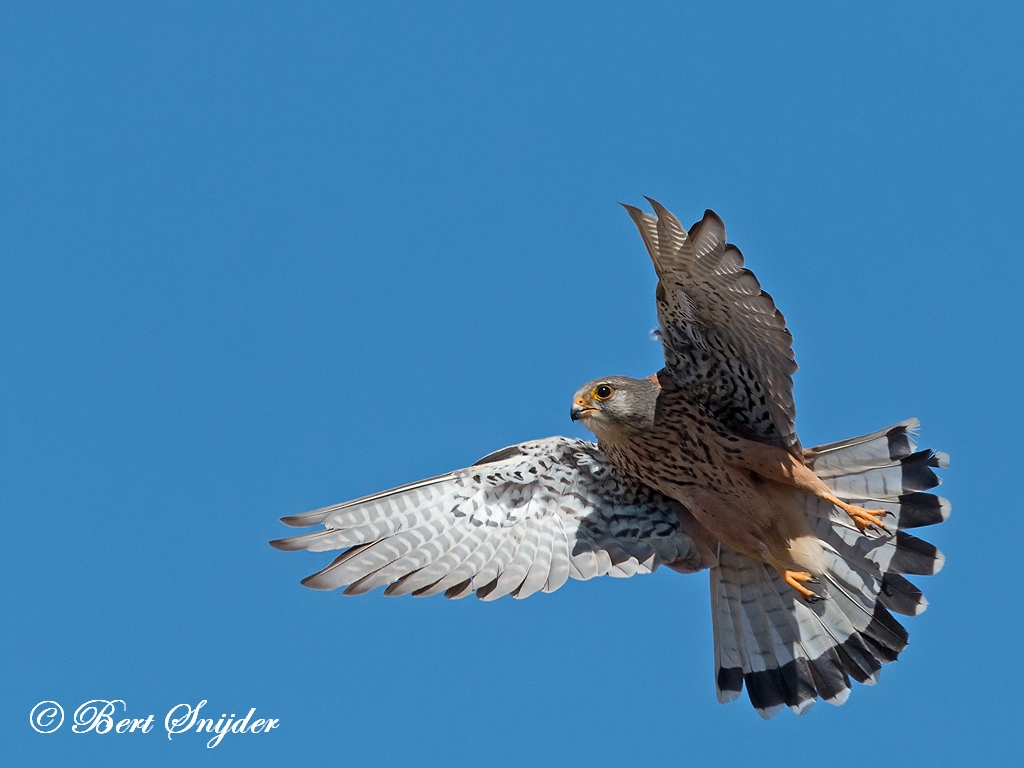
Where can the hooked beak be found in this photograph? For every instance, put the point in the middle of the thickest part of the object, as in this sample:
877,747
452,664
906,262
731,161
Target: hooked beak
579,411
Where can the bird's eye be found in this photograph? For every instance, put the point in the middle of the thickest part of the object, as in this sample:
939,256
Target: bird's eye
603,392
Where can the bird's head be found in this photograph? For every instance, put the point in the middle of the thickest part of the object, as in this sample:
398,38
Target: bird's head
615,404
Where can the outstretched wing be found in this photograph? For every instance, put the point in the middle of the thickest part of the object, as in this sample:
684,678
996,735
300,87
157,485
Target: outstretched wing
523,519
722,335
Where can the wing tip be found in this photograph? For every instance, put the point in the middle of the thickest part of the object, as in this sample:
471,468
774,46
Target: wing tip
318,582
660,209
710,214
306,519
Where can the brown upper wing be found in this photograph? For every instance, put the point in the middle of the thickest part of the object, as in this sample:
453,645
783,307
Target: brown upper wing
723,337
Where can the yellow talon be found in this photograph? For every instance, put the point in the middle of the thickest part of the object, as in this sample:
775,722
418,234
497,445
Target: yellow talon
795,579
866,518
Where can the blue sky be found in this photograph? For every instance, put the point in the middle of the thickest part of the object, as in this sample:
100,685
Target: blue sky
256,258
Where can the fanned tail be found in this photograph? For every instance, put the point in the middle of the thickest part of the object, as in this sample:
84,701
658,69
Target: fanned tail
788,652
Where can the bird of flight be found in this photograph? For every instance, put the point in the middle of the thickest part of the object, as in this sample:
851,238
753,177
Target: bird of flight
696,467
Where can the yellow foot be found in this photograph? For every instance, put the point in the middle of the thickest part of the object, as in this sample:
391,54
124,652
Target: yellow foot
795,579
866,518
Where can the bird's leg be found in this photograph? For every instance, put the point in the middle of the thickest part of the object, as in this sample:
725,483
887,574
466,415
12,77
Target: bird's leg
795,579
862,518
783,467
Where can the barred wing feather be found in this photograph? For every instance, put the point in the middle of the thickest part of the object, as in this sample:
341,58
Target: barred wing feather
522,520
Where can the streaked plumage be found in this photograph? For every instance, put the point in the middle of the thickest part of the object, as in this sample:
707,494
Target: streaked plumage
724,339
698,467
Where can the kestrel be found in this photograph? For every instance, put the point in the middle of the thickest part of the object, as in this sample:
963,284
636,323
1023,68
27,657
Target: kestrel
696,467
